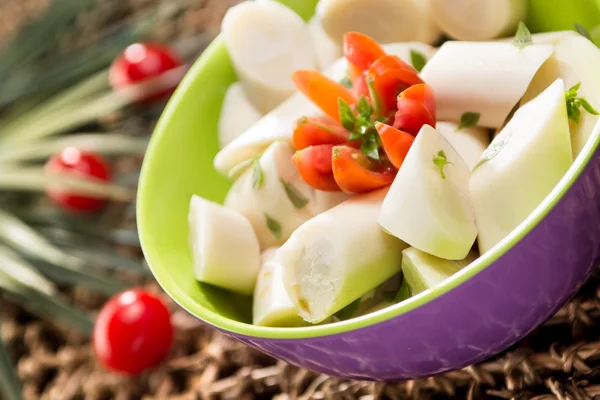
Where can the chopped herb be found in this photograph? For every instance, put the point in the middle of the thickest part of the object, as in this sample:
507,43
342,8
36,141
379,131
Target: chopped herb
582,30
349,311
257,174
346,81
362,126
522,37
440,161
493,150
417,59
574,103
468,120
298,199
274,226
346,115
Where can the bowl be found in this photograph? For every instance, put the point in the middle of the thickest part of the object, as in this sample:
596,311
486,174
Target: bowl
475,314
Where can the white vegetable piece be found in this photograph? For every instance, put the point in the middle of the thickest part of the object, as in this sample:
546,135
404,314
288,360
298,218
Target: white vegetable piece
323,201
213,232
327,51
276,125
267,42
428,205
521,167
237,114
423,271
488,78
470,143
404,49
272,195
272,306
386,21
546,37
338,256
575,60
478,19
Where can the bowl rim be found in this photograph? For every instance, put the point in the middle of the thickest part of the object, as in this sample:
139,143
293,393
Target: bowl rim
246,329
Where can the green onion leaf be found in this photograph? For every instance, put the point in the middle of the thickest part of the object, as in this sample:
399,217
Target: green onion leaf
346,115
468,120
522,37
298,199
417,59
257,174
440,161
274,226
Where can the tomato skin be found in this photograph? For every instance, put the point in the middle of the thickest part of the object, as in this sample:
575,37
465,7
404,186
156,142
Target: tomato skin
133,332
360,86
411,116
81,164
312,131
355,173
396,144
323,92
421,93
314,165
361,51
389,76
141,61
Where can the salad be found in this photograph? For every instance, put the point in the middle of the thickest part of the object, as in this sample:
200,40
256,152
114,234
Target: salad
380,170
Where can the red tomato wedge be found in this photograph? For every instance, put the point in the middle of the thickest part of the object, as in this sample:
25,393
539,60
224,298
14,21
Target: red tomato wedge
355,173
411,116
395,143
323,91
360,86
421,93
312,131
387,78
361,51
314,165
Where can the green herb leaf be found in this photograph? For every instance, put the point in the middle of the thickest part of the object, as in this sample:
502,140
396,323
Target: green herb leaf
364,108
354,135
298,199
349,311
377,103
417,59
274,226
257,174
370,146
493,150
574,103
522,37
468,120
582,30
346,115
403,293
440,161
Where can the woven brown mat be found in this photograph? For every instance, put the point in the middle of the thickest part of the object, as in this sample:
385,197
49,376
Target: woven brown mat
560,360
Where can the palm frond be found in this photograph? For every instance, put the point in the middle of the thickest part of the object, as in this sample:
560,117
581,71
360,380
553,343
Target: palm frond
10,388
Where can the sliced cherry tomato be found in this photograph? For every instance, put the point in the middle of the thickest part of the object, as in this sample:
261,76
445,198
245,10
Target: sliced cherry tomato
323,91
312,131
355,173
360,86
411,116
395,143
315,167
421,93
361,51
388,77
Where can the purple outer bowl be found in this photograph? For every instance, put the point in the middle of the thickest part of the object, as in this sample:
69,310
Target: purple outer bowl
479,318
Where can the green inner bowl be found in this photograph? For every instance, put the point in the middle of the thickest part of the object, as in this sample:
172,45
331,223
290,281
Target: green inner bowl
179,164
